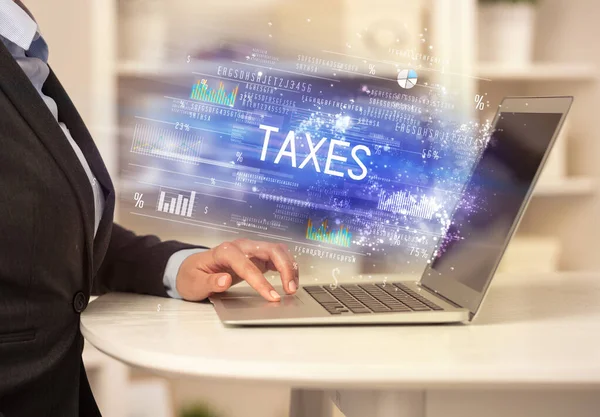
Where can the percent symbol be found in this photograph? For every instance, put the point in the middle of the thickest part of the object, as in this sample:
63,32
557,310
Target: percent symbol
372,70
239,156
479,104
139,202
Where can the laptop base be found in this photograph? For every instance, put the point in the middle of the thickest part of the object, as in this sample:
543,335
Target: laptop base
242,306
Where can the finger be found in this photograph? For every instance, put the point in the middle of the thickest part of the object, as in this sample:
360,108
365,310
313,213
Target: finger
294,263
204,285
284,263
233,258
275,254
219,282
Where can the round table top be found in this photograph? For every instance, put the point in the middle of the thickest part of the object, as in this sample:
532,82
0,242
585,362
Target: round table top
532,330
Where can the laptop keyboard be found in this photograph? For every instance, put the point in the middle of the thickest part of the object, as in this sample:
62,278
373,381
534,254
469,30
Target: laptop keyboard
370,298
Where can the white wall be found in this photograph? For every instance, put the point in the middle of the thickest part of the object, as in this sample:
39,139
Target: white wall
81,38
567,32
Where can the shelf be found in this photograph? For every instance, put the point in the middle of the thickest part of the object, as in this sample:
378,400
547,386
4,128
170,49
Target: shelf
576,186
537,72
142,69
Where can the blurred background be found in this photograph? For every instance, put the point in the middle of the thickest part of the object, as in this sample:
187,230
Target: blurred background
116,55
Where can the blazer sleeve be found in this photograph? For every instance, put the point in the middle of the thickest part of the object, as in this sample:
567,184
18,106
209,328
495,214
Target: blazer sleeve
135,263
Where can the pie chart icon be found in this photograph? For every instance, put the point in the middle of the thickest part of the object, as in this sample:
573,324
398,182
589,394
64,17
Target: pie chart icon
407,78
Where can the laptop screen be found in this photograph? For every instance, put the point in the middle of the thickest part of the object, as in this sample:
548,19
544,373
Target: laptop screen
492,198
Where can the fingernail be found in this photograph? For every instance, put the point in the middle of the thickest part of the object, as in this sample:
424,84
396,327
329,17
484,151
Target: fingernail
222,281
275,295
292,286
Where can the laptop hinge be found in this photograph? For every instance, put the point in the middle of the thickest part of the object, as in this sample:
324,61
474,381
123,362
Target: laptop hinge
437,294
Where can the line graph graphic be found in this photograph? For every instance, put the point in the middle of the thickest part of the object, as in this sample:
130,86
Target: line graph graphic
340,237
202,92
408,204
166,143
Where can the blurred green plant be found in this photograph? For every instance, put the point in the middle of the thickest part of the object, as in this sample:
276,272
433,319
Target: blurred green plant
507,1
198,410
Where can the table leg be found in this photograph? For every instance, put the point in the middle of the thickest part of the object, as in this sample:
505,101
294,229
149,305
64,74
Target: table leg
310,403
380,403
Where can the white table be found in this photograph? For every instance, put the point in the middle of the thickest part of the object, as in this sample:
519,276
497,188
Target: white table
533,332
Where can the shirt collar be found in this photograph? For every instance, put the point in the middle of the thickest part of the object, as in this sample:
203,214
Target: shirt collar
16,25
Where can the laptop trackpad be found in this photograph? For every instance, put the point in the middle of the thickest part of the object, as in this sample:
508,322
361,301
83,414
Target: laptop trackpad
287,301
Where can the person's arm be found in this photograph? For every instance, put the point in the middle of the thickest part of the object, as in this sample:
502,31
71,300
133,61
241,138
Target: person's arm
145,265
173,267
137,263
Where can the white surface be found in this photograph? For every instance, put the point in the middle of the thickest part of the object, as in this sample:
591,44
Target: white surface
534,331
150,398
513,403
531,255
569,186
381,403
537,72
109,380
453,30
556,164
143,30
142,69
506,32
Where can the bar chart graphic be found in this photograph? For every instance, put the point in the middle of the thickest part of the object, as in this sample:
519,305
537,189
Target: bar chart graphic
340,237
202,92
180,204
167,143
408,204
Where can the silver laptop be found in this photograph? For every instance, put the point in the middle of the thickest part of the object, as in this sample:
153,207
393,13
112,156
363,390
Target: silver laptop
462,265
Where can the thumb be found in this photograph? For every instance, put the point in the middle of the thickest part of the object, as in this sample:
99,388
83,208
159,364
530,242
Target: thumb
218,282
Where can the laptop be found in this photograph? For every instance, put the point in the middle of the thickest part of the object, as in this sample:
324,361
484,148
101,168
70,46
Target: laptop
461,267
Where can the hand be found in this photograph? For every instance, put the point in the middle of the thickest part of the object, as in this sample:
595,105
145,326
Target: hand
216,270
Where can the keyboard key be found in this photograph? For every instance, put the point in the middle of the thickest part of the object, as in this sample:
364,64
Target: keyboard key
416,301
367,298
419,297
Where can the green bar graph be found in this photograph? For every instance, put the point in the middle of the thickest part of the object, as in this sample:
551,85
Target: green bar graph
202,92
341,237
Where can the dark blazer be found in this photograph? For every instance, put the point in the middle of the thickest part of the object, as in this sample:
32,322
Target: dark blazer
50,261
